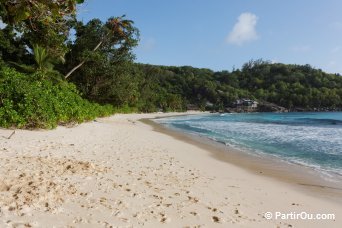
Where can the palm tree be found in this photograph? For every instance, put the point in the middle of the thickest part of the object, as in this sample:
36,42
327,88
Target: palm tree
118,29
41,57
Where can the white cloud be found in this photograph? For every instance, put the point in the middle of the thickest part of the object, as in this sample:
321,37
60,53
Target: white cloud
244,29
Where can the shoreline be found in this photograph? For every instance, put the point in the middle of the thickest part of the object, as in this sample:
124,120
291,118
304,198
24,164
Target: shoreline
117,171
301,177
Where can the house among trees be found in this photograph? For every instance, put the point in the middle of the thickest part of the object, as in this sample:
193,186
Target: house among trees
192,107
209,105
245,104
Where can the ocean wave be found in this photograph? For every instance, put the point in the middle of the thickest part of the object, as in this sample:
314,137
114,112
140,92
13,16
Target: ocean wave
305,138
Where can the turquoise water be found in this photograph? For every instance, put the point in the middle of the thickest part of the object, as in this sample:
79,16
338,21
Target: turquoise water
309,139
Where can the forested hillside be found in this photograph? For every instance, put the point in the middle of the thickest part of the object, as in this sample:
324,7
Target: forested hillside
150,88
291,86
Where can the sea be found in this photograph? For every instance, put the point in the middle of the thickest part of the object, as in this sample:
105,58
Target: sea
311,139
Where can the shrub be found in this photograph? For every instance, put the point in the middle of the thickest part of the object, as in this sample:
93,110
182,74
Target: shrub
34,101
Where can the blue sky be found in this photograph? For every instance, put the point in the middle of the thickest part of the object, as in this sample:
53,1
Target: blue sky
222,34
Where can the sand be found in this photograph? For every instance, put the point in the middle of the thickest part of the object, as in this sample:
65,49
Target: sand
119,172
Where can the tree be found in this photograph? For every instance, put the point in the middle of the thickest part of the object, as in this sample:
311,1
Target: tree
12,47
41,57
51,12
117,35
42,22
107,74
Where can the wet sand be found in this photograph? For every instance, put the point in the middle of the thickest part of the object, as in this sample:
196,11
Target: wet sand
304,178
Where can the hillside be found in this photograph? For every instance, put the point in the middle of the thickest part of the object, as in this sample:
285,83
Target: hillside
295,87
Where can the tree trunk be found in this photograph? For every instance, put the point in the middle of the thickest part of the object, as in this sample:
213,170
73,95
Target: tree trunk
79,65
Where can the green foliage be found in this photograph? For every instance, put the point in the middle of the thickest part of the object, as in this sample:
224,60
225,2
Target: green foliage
26,101
47,11
107,75
22,67
12,47
101,63
43,62
291,86
100,43
43,22
42,58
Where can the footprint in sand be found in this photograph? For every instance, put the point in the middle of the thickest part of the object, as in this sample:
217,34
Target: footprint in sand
216,219
193,213
193,199
164,219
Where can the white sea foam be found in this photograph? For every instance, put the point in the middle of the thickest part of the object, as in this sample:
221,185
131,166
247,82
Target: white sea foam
316,146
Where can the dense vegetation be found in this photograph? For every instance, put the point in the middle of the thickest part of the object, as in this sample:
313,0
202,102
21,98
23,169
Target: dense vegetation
291,86
28,101
48,77
151,88
34,41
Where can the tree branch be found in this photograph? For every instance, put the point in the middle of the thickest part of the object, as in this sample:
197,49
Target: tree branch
79,65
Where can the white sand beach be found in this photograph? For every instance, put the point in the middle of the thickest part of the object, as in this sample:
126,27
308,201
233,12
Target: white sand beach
119,172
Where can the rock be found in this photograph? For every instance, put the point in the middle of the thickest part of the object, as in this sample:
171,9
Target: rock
270,107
